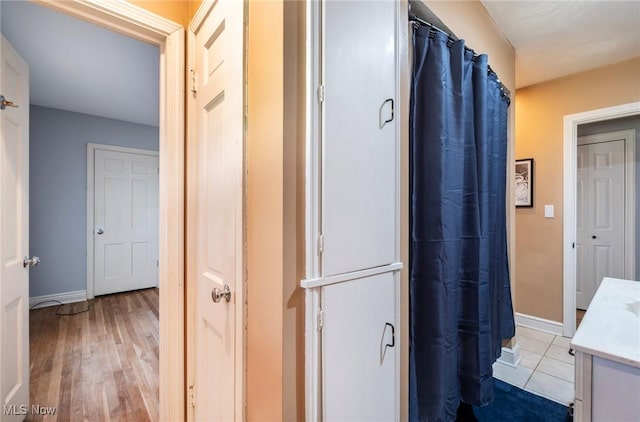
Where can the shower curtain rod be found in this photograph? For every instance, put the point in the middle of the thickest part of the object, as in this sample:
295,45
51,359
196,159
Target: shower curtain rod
415,19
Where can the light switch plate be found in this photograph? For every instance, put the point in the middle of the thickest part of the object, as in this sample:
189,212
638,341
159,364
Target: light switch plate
548,211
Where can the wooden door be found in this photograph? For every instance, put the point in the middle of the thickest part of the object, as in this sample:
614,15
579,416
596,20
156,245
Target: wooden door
359,158
217,195
126,221
14,236
601,218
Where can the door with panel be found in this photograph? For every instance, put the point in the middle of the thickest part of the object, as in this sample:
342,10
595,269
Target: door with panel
359,157
600,217
126,221
14,234
359,351
217,43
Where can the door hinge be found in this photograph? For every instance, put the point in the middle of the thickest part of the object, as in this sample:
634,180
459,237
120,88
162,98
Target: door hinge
573,245
157,263
192,396
320,244
321,94
320,319
192,84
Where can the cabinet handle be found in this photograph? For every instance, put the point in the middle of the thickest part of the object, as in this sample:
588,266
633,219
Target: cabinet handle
390,119
393,334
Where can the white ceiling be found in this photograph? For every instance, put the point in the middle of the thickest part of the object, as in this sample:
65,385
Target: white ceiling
558,38
80,67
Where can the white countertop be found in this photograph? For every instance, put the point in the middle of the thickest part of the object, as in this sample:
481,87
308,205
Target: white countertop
611,327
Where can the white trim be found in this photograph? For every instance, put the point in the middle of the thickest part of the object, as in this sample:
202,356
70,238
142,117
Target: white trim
131,20
52,299
510,356
570,140
313,342
539,324
325,281
91,156
312,175
120,16
313,376
201,14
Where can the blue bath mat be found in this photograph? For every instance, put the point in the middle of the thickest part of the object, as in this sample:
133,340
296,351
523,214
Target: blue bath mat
514,404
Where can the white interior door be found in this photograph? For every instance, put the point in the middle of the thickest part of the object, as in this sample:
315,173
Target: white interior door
600,217
126,221
359,350
218,47
14,236
359,136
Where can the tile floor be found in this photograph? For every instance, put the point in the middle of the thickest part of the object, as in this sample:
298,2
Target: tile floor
546,368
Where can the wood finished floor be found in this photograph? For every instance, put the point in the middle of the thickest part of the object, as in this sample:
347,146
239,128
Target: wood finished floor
99,365
579,315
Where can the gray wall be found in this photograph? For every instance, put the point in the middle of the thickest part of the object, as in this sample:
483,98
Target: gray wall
632,122
58,190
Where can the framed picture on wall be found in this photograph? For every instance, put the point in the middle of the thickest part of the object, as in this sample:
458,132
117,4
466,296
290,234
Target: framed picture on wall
524,182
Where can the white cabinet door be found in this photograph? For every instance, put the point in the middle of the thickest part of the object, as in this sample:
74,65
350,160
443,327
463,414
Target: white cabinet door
359,157
360,349
14,236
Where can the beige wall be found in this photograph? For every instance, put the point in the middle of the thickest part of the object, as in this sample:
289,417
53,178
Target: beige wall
540,111
274,208
265,225
179,11
193,8
175,10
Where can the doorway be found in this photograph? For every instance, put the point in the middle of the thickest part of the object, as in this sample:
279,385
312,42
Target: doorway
603,197
122,219
135,22
570,217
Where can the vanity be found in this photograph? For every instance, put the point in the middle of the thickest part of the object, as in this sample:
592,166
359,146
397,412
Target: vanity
607,351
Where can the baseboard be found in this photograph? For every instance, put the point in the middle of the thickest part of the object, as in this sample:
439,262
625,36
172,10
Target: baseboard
57,298
541,324
510,356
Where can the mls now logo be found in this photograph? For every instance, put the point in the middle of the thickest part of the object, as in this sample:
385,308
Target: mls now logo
15,409
42,410
23,410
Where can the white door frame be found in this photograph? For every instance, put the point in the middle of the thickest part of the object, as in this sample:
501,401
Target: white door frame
91,159
169,36
570,146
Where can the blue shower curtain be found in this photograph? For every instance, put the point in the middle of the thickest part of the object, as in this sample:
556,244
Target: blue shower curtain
460,298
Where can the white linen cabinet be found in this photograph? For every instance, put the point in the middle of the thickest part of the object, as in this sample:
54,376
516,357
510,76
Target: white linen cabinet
352,213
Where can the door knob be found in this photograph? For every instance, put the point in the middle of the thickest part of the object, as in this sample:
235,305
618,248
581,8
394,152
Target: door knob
217,294
99,231
593,237
30,261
